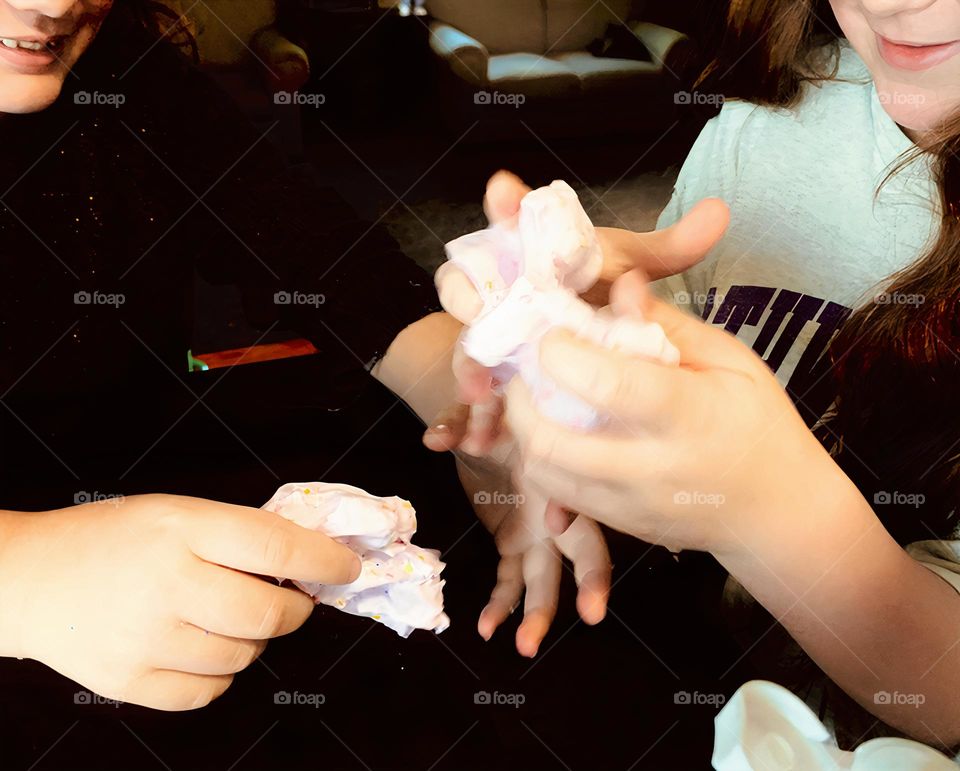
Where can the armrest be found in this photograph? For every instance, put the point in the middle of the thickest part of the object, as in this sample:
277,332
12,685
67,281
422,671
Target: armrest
467,57
667,46
289,64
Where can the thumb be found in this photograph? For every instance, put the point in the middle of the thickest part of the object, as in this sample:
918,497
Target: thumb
666,252
458,296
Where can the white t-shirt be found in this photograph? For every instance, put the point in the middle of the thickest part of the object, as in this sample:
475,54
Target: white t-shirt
814,232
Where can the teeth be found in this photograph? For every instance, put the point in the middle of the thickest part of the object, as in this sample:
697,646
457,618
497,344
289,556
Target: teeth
28,45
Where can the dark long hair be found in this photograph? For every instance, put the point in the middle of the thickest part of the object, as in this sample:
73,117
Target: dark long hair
895,424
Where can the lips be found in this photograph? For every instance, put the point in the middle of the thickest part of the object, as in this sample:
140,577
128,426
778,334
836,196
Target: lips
913,57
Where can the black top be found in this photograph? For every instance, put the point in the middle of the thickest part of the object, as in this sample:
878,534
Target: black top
107,211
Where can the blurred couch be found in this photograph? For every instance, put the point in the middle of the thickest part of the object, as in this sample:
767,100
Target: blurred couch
534,57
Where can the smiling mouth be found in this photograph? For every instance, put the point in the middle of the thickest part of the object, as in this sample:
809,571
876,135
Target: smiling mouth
49,45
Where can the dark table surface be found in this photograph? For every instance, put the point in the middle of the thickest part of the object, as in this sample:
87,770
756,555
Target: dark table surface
362,697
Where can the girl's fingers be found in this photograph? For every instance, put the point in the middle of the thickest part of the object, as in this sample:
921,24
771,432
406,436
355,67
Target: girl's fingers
266,544
584,545
701,346
505,596
448,429
558,518
458,295
634,389
474,381
483,427
548,447
542,568
171,691
200,652
630,295
505,191
234,604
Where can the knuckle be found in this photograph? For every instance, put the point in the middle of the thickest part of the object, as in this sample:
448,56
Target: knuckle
278,547
625,392
542,444
244,655
272,620
209,692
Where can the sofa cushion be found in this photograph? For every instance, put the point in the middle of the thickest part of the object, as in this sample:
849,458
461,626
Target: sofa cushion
503,26
596,75
531,75
573,24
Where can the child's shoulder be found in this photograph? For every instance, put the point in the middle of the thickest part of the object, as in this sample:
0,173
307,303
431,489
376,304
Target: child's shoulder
847,92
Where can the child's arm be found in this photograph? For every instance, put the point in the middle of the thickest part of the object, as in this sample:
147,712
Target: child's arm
418,366
882,626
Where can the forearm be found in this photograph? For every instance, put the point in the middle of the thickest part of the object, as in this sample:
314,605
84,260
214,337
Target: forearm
14,539
418,366
872,618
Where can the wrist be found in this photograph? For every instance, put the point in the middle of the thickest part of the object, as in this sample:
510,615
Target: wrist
17,533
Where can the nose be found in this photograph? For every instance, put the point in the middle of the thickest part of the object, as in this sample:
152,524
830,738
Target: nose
885,8
53,9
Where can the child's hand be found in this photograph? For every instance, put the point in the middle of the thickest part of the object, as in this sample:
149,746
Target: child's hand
657,254
149,600
709,455
531,557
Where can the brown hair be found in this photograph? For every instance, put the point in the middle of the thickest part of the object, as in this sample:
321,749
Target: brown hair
894,426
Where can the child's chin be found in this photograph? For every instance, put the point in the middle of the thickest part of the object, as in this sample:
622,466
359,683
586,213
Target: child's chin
919,110
21,94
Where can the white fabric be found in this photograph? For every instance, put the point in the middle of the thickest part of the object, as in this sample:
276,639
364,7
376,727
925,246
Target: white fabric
764,727
528,276
399,584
